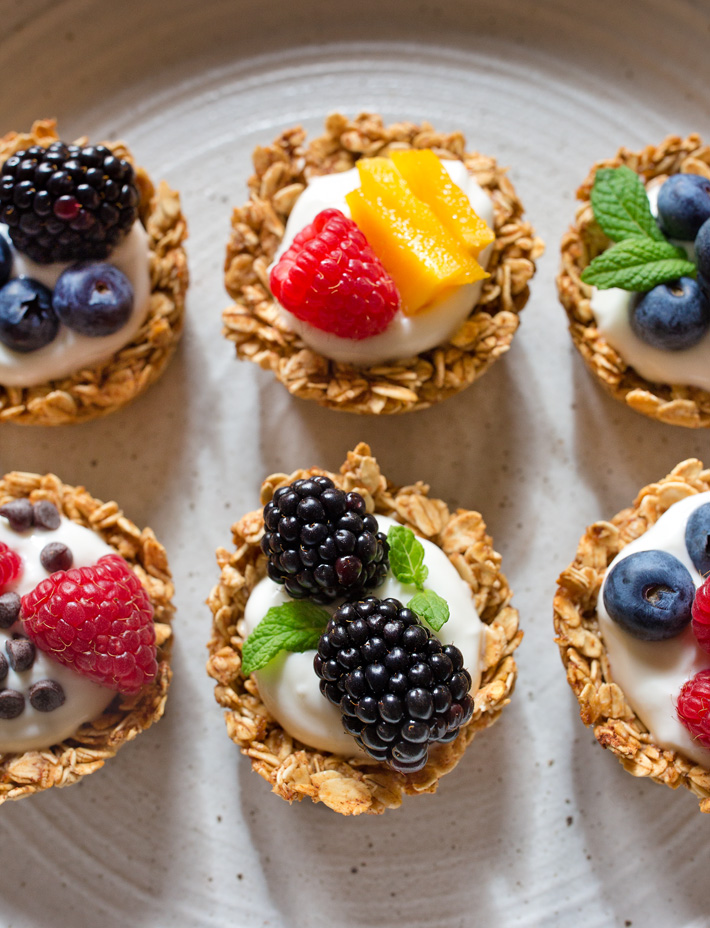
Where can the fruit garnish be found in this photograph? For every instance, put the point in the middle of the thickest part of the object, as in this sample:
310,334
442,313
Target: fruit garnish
321,543
93,299
332,279
697,538
701,615
98,621
649,594
428,180
27,320
398,688
5,261
683,205
693,707
67,202
10,565
672,316
420,253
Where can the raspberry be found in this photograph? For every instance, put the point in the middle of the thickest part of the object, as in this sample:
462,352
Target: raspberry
67,202
331,278
398,688
701,615
321,543
98,621
693,707
10,565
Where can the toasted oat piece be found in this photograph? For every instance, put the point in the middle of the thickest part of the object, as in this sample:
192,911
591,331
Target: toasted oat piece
355,785
253,323
96,391
602,702
674,404
22,774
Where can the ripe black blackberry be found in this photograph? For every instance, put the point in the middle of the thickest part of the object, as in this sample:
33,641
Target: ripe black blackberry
321,542
399,689
67,202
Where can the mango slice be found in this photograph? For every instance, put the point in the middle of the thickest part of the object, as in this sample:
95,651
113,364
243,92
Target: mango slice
428,179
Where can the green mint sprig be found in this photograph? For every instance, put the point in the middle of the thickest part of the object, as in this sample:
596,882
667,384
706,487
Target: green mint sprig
293,626
642,257
406,555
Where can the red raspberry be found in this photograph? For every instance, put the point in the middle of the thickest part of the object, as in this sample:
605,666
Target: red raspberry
694,707
10,565
701,615
98,621
332,279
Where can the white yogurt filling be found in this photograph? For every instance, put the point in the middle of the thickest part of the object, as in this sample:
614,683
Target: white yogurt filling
71,351
406,335
85,700
289,686
612,310
651,673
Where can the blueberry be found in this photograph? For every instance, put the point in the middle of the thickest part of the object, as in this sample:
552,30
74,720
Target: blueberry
702,257
27,320
672,316
697,538
5,261
684,205
93,299
649,594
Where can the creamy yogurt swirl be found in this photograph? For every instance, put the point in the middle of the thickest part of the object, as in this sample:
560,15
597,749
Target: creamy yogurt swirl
651,673
289,686
405,336
71,351
85,700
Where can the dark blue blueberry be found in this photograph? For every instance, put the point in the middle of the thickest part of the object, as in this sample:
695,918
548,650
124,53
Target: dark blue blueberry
5,261
93,299
697,538
649,594
683,205
27,320
702,257
672,316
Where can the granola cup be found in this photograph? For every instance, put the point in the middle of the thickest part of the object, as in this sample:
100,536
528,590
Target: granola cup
671,403
101,389
602,701
356,785
260,335
22,774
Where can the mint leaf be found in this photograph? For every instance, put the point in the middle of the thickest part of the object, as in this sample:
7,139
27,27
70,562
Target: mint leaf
406,556
294,626
621,205
431,607
638,264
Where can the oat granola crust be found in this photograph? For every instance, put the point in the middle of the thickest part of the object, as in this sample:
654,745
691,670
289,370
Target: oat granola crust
674,404
22,774
602,702
253,323
353,786
96,391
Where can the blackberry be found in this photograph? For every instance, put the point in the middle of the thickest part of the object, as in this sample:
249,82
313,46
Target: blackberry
67,202
398,688
321,543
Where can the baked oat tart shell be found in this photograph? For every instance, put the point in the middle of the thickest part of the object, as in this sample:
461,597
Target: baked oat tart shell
674,404
126,716
602,701
253,321
96,391
353,786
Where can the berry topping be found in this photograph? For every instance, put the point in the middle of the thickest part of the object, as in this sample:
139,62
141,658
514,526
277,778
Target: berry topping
672,316
45,515
10,565
9,609
21,653
649,594
4,667
56,556
331,278
321,542
27,320
5,261
12,704
98,621
697,538
702,257
46,695
66,202
701,615
399,690
93,299
18,513
684,205
693,707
